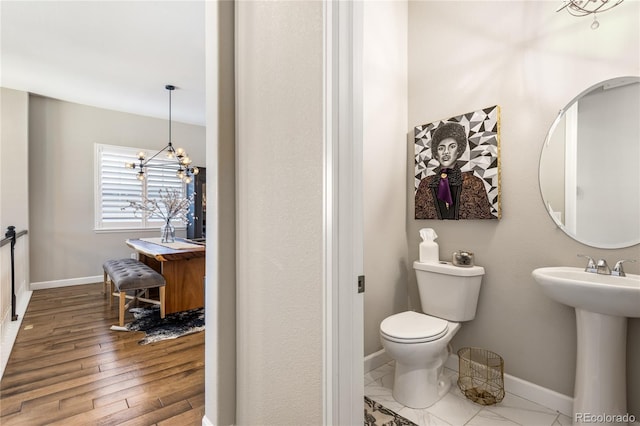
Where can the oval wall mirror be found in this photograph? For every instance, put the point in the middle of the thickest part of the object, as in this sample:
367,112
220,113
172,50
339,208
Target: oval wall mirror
590,165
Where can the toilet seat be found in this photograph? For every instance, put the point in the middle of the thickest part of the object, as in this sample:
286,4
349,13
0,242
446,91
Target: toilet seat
413,327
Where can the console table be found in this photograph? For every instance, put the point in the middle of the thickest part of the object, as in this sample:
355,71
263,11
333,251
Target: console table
183,269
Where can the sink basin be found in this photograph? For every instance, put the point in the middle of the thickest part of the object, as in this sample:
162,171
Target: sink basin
603,294
602,304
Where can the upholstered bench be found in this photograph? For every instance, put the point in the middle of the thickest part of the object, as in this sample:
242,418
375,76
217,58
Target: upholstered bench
137,278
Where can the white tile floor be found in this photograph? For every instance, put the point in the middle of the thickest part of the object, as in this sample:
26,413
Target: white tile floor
456,410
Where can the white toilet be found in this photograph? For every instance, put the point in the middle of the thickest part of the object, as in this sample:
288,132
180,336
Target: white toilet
419,342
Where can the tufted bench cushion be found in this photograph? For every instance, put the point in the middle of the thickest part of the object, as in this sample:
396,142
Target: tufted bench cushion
136,277
131,274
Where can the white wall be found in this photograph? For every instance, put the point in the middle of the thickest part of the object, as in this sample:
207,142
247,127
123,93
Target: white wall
279,125
220,345
61,181
14,211
385,117
531,61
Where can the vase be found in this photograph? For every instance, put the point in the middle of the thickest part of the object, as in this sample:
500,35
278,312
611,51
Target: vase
167,233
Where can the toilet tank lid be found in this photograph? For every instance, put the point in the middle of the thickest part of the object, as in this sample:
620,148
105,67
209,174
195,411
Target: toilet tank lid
448,268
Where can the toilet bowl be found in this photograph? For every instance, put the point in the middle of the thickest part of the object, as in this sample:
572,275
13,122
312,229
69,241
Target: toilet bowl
419,342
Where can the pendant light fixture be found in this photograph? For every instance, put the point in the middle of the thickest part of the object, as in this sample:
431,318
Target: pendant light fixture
185,170
588,7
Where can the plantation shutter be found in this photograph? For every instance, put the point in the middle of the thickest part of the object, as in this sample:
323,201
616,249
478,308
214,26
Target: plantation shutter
117,185
161,174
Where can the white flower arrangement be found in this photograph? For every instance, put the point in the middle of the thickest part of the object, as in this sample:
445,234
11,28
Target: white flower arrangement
171,205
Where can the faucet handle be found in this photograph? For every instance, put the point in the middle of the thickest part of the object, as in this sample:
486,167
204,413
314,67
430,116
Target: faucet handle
603,268
591,265
617,270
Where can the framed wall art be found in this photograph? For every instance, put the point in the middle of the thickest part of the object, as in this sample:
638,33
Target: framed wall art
457,167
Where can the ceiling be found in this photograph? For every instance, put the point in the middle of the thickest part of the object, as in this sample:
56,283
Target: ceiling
117,55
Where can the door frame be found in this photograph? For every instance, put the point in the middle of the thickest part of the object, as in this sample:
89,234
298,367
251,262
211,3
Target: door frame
343,216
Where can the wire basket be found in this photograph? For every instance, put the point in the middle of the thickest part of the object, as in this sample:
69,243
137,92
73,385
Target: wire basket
481,375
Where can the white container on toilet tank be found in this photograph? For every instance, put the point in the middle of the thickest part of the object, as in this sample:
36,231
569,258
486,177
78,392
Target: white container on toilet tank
429,250
457,298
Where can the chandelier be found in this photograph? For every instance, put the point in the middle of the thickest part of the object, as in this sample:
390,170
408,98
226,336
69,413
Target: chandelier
588,7
185,172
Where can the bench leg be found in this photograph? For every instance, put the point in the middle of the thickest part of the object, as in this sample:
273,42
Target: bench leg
123,298
162,299
105,282
111,290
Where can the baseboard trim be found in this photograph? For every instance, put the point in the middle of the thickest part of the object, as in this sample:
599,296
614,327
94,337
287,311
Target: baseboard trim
66,283
375,360
10,329
514,385
206,421
527,390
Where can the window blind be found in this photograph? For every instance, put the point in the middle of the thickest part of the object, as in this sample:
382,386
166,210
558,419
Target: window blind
116,185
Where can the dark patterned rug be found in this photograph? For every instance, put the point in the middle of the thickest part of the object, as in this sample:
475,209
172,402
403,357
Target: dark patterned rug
171,327
377,415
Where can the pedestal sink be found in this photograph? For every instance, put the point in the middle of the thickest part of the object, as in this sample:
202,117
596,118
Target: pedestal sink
602,303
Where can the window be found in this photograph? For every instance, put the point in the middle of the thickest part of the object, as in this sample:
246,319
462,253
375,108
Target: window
116,185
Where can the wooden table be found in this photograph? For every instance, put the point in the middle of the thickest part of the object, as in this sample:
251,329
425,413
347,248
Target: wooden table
183,269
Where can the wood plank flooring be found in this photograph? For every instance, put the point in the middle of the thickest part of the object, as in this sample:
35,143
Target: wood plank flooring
68,368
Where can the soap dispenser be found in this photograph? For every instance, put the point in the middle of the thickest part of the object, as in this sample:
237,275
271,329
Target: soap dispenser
429,250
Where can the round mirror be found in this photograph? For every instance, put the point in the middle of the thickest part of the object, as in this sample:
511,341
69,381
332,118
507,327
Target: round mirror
590,165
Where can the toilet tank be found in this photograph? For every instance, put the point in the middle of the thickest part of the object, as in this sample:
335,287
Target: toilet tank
447,291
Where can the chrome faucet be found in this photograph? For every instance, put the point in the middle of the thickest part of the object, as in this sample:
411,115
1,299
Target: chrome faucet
617,270
603,268
591,264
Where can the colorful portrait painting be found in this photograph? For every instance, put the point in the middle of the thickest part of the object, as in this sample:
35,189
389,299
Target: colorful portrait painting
457,167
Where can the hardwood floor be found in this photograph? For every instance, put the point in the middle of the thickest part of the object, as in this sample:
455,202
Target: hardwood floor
68,368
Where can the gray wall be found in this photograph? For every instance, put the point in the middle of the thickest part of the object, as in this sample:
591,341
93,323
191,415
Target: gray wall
552,176
63,243
385,116
464,56
279,125
14,151
14,202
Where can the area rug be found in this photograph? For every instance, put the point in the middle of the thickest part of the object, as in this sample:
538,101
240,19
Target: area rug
377,415
171,326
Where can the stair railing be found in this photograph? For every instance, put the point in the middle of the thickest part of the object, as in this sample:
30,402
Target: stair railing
10,237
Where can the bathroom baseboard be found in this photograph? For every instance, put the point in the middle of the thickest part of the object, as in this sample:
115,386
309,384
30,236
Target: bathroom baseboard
375,360
513,385
66,283
206,421
527,390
